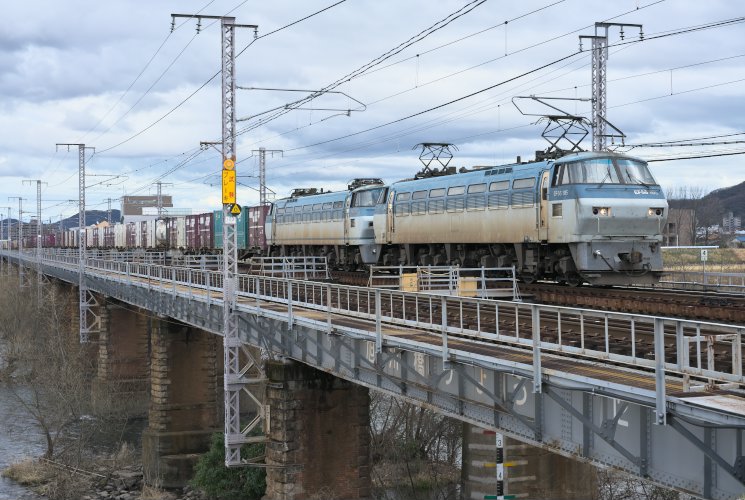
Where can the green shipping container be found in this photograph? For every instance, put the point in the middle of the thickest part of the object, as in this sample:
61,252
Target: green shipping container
241,227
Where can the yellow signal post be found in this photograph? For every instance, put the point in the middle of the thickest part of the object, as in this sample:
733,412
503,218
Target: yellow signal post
228,187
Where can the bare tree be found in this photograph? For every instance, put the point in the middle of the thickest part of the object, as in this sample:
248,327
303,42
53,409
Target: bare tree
46,368
413,449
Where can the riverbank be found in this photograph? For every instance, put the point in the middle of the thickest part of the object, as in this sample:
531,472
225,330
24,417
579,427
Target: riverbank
53,481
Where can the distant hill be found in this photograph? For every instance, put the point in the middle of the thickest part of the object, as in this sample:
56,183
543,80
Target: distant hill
91,217
731,199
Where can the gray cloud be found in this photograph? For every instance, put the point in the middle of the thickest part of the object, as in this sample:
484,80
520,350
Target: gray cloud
63,69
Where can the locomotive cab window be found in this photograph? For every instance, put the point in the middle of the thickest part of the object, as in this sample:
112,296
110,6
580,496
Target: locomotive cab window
634,172
366,198
382,196
603,171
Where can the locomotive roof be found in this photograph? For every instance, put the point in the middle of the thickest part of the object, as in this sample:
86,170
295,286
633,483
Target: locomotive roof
314,198
325,197
508,171
584,155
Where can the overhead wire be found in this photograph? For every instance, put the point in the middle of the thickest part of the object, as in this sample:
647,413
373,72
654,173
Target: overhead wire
674,142
695,157
162,74
209,80
438,25
423,34
652,37
266,120
692,29
420,36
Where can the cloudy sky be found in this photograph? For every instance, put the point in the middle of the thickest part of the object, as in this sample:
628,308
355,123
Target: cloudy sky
112,75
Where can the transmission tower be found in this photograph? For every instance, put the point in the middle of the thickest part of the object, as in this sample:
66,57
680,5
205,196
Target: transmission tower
262,171
237,378
600,122
108,210
89,321
2,258
8,236
21,276
160,197
39,233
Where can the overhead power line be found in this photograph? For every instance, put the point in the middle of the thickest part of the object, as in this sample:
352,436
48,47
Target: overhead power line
713,155
210,79
674,142
448,103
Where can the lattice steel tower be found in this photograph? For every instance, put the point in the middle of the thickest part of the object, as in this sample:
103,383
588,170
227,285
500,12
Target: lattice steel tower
89,321
237,379
599,120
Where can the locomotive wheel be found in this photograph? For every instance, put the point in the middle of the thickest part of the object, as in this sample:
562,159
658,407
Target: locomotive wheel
574,279
528,278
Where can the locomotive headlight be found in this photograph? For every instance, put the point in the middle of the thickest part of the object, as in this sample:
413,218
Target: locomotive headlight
601,211
655,211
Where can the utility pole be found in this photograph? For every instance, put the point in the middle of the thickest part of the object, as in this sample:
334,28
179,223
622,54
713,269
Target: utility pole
9,239
236,379
2,257
86,298
262,171
21,277
39,232
160,197
599,78
108,211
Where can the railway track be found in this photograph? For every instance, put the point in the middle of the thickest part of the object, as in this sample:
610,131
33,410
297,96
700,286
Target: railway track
569,330
694,305
705,306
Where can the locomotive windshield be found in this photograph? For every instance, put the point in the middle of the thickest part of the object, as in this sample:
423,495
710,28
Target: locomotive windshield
603,171
367,198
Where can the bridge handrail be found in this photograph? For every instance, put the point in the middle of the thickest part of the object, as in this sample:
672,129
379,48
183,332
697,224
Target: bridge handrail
674,339
443,314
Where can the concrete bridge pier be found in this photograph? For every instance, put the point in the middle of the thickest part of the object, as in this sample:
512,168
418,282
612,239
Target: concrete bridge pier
185,401
121,384
319,435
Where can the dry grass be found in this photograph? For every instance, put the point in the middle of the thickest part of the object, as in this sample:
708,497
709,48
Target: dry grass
48,480
28,473
720,260
154,493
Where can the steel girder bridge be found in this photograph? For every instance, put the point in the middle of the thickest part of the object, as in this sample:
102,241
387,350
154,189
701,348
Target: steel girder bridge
672,417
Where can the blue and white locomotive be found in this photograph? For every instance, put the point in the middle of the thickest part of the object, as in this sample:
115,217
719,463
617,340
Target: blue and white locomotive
335,225
586,217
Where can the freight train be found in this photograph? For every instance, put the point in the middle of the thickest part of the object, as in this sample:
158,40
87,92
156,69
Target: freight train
585,217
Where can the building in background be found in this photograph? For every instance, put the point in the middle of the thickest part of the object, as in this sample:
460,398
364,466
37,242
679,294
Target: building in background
679,230
731,223
133,207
